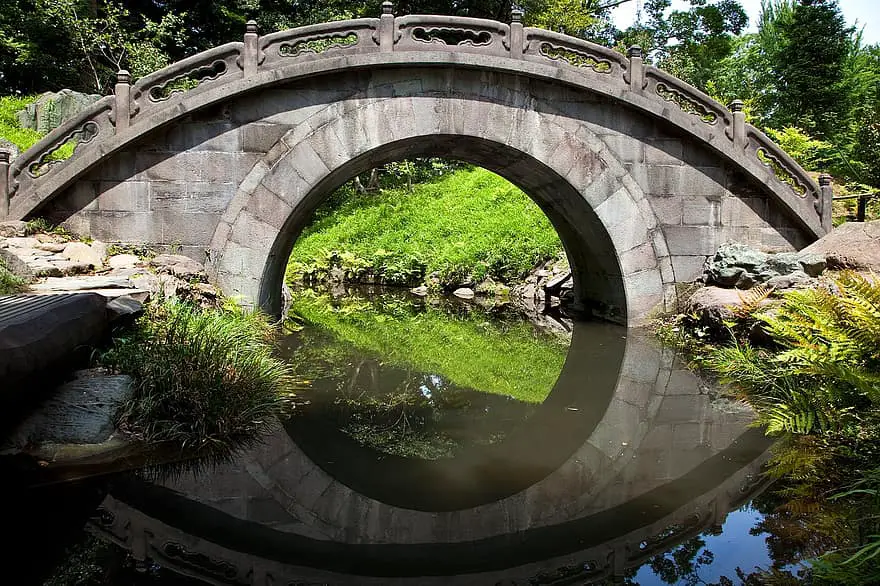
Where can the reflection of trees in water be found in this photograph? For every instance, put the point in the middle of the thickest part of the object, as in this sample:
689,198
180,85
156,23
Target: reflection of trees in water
398,411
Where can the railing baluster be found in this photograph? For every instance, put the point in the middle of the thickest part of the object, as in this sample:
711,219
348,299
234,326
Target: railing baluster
516,34
386,28
636,68
122,90
4,183
251,51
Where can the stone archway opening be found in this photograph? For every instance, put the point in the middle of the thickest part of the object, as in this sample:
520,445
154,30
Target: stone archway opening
598,281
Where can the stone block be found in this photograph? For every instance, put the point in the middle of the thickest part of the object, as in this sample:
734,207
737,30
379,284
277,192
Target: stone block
626,149
701,211
203,136
168,196
186,228
669,209
208,197
691,240
125,196
269,208
664,151
638,259
688,268
259,138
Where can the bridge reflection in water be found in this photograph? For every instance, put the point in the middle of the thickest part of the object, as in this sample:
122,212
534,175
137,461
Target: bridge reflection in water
628,456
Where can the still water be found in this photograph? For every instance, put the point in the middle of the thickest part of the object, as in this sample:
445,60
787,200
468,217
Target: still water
437,442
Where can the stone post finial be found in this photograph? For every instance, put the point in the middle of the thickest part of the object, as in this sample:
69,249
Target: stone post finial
823,204
122,91
636,69
739,123
386,28
250,55
516,32
5,157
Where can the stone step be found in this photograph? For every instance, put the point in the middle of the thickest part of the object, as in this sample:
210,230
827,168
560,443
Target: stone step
86,282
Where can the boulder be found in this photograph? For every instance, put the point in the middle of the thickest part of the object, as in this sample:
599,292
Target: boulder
737,265
464,293
178,265
421,290
854,245
53,109
13,228
712,306
83,253
123,261
124,310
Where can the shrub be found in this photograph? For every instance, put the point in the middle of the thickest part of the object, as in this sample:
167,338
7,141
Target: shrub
205,380
10,283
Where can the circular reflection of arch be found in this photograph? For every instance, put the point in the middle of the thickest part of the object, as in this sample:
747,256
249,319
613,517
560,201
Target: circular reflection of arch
483,473
663,453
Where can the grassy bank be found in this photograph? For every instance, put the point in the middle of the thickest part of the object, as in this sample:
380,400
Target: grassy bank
9,282
508,359
468,224
206,380
815,383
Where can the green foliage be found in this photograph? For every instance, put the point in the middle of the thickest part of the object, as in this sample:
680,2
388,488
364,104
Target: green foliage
810,153
10,130
512,359
10,283
471,223
205,380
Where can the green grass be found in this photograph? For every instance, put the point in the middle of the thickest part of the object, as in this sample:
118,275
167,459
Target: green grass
205,380
23,138
511,359
470,223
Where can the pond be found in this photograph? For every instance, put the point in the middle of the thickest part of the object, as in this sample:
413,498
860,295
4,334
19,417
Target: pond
436,441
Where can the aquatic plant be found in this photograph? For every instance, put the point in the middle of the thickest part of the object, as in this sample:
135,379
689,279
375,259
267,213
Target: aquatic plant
206,380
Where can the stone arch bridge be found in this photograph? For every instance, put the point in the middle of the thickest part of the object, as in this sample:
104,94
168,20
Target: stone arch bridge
226,154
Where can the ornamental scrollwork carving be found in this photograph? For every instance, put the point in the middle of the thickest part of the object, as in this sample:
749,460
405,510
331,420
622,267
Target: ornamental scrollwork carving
576,58
318,44
63,149
781,170
686,103
187,81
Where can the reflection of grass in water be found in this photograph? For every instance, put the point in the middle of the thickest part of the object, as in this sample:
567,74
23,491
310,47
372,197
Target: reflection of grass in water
470,351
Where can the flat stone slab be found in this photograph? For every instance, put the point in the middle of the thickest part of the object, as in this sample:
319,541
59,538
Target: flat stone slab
38,331
81,283
79,412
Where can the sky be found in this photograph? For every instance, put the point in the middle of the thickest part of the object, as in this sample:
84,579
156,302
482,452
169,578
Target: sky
862,13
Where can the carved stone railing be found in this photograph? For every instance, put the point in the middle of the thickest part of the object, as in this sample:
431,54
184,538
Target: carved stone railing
462,35
318,41
152,100
176,82
687,99
88,128
542,45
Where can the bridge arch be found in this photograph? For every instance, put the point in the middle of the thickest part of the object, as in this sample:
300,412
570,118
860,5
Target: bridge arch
642,174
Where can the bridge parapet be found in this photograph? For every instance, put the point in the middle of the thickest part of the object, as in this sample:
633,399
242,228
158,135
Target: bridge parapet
234,68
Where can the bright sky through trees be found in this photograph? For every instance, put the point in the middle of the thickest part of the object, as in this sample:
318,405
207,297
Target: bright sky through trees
862,13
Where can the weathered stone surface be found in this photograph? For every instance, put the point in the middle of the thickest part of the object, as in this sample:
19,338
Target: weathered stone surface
83,282
740,266
52,246
464,293
79,412
713,306
123,261
13,228
52,109
39,331
178,265
83,253
421,291
854,245
124,310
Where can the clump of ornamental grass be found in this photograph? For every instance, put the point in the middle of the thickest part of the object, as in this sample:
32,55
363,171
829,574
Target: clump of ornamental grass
205,380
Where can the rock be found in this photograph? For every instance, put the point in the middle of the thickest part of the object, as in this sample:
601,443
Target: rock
25,242
13,228
421,291
737,265
336,275
146,281
178,265
712,306
82,283
487,286
794,279
52,109
124,310
854,245
11,148
79,412
123,261
51,246
813,264
82,252
464,293
100,249
71,267
47,238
